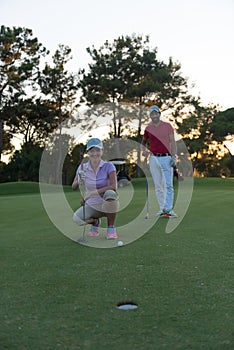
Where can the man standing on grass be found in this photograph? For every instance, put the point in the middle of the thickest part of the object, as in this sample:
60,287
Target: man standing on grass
162,146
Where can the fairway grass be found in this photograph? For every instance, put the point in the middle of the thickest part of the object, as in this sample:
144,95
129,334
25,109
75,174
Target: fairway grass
57,294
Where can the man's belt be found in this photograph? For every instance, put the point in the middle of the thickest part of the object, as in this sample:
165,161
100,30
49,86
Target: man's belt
161,154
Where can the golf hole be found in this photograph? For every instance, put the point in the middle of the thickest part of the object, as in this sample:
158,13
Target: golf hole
127,305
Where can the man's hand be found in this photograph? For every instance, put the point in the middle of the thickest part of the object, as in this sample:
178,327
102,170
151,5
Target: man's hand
173,161
145,153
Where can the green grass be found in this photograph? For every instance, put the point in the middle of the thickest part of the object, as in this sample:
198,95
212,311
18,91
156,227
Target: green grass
56,294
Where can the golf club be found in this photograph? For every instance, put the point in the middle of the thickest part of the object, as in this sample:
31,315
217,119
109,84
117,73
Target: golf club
147,197
82,191
83,238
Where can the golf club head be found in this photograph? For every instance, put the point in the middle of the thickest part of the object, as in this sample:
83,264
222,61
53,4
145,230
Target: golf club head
82,240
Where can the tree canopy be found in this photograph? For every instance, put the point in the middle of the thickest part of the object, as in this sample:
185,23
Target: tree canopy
128,71
123,78
20,55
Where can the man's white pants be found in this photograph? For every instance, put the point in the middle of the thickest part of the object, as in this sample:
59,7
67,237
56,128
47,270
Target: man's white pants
162,174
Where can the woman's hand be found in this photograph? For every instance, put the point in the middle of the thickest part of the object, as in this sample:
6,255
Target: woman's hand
82,201
90,194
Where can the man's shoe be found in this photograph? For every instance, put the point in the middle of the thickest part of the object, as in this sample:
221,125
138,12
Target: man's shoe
170,214
161,212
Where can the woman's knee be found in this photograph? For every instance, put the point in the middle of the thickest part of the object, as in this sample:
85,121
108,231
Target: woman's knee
78,220
111,202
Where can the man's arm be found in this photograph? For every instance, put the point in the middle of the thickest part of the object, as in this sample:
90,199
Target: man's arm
173,150
144,144
173,146
144,141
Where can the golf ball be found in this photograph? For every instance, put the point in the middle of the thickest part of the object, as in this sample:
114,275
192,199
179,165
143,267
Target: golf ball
120,243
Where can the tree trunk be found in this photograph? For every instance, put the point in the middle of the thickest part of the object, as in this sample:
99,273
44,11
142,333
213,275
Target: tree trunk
1,138
59,159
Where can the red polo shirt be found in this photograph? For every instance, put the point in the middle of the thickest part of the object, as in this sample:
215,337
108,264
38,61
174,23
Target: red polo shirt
158,136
